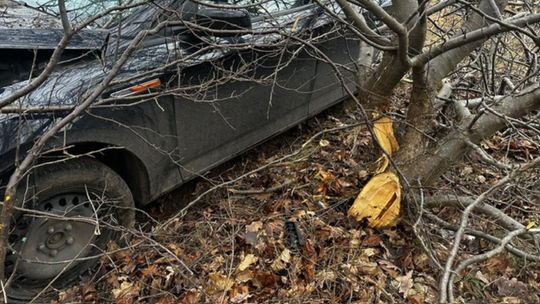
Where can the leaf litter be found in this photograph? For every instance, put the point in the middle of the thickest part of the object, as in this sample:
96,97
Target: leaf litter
293,245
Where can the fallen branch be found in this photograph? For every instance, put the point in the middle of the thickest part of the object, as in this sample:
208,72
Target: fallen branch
488,237
446,282
482,257
263,191
466,201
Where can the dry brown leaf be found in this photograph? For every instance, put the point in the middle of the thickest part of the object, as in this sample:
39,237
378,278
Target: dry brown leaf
301,290
325,276
324,143
244,276
362,266
416,299
389,268
367,268
362,173
176,249
264,280
281,262
89,292
274,227
246,262
190,297
497,263
355,241
218,283
513,288
151,270
254,226
405,283
528,145
325,176
466,171
421,261
239,294
384,133
480,276
344,184
157,283
511,300
216,263
379,201
481,179
126,291
372,241
70,294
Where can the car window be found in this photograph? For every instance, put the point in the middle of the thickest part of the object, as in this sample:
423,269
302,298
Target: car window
79,6
271,6
78,10
263,7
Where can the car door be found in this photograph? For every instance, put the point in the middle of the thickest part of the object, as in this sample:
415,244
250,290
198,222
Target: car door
341,48
245,97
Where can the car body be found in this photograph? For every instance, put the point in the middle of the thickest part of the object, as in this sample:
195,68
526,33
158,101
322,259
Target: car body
159,144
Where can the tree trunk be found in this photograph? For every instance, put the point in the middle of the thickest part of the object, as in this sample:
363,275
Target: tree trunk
417,163
420,117
376,91
428,167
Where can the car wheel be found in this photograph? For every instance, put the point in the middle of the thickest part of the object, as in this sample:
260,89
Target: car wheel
69,213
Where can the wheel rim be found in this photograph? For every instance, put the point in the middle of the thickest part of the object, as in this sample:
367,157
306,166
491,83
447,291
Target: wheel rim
45,248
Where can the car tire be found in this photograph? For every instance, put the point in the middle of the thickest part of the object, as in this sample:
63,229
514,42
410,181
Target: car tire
75,192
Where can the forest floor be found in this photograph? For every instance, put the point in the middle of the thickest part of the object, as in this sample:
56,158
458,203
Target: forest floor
282,234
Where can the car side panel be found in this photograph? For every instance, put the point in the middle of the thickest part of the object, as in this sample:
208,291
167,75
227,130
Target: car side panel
328,88
240,114
147,130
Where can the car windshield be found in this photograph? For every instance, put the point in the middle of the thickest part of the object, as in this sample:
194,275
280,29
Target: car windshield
133,20
79,10
260,7
79,7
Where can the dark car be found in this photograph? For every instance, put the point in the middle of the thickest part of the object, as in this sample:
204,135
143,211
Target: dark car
189,98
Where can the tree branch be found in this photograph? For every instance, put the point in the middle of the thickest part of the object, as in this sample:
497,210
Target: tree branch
361,24
452,147
443,64
473,36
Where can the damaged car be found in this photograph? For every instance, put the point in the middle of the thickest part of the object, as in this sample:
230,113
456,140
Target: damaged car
215,81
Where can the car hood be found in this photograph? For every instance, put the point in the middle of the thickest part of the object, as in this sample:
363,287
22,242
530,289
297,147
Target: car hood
48,39
67,85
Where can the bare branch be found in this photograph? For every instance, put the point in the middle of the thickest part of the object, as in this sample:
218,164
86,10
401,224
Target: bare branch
473,36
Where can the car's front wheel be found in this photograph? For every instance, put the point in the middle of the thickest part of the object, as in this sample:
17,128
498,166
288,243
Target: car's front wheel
69,212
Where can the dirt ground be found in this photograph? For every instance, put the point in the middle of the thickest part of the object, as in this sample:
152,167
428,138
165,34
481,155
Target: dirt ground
282,235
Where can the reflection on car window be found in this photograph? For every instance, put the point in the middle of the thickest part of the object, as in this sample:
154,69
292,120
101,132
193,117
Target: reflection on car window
263,7
78,10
